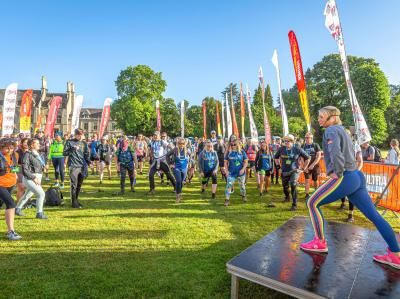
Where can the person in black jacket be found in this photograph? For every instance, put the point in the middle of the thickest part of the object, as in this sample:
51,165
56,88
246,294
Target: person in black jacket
32,169
77,152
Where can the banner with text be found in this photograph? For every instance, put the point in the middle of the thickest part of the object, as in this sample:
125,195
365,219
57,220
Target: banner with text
25,113
55,104
10,101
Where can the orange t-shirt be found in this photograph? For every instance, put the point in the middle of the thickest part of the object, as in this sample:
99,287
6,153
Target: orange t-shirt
9,179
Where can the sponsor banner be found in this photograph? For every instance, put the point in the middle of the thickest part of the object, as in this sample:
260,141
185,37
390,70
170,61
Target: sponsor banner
242,110
105,116
301,82
76,113
218,118
204,120
267,128
223,119
253,128
228,117
38,124
285,123
52,115
158,115
234,123
25,113
332,23
10,101
182,119
377,176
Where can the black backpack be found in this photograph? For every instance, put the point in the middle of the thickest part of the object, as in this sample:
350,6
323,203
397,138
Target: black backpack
54,197
378,155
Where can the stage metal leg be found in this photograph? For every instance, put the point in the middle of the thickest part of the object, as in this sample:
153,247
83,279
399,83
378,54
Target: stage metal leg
234,287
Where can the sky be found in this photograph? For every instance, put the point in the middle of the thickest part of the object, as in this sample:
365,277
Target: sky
199,46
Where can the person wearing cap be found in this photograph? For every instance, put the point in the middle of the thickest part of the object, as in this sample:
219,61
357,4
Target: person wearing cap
213,138
78,155
276,144
287,158
345,180
105,153
313,170
57,158
158,155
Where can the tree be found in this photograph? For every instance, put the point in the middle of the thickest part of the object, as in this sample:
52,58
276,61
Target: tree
194,115
372,89
170,117
392,116
327,86
138,87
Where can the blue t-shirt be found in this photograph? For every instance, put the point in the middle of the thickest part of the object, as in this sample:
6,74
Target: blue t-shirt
210,160
236,160
181,161
266,160
290,157
93,147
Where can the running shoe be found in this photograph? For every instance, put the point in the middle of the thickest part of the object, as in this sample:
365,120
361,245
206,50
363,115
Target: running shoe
316,245
56,185
390,259
13,236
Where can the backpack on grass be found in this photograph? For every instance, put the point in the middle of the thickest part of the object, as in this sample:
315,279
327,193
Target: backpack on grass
54,197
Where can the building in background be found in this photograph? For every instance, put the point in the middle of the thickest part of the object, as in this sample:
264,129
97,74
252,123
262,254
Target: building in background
89,118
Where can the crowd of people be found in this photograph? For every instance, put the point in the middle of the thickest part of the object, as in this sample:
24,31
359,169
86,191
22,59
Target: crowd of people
24,163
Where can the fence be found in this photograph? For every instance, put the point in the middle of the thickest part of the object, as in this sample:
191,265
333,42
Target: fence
377,176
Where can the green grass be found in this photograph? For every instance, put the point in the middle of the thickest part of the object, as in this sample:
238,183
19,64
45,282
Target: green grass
135,246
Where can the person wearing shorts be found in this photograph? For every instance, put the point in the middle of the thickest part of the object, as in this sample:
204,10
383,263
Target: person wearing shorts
251,152
105,153
264,167
208,167
8,180
313,170
141,150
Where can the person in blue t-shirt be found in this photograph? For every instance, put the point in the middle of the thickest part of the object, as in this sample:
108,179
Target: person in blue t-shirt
287,157
94,157
264,166
235,163
180,157
208,167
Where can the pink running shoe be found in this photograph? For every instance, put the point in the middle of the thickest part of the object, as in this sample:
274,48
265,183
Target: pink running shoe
316,245
390,259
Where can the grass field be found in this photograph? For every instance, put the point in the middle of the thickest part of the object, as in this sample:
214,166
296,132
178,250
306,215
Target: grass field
135,246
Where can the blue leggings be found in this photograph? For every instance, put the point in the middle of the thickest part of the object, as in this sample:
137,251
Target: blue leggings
58,164
351,184
180,175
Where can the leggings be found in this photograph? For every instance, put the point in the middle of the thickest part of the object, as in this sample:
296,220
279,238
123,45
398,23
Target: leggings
33,189
180,176
229,185
351,184
290,181
160,165
58,164
5,196
207,176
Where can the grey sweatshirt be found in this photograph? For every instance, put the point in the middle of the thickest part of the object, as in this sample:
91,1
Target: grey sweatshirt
338,151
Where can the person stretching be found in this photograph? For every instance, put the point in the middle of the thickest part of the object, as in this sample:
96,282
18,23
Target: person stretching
345,180
264,166
8,179
236,163
32,169
180,157
126,158
208,167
